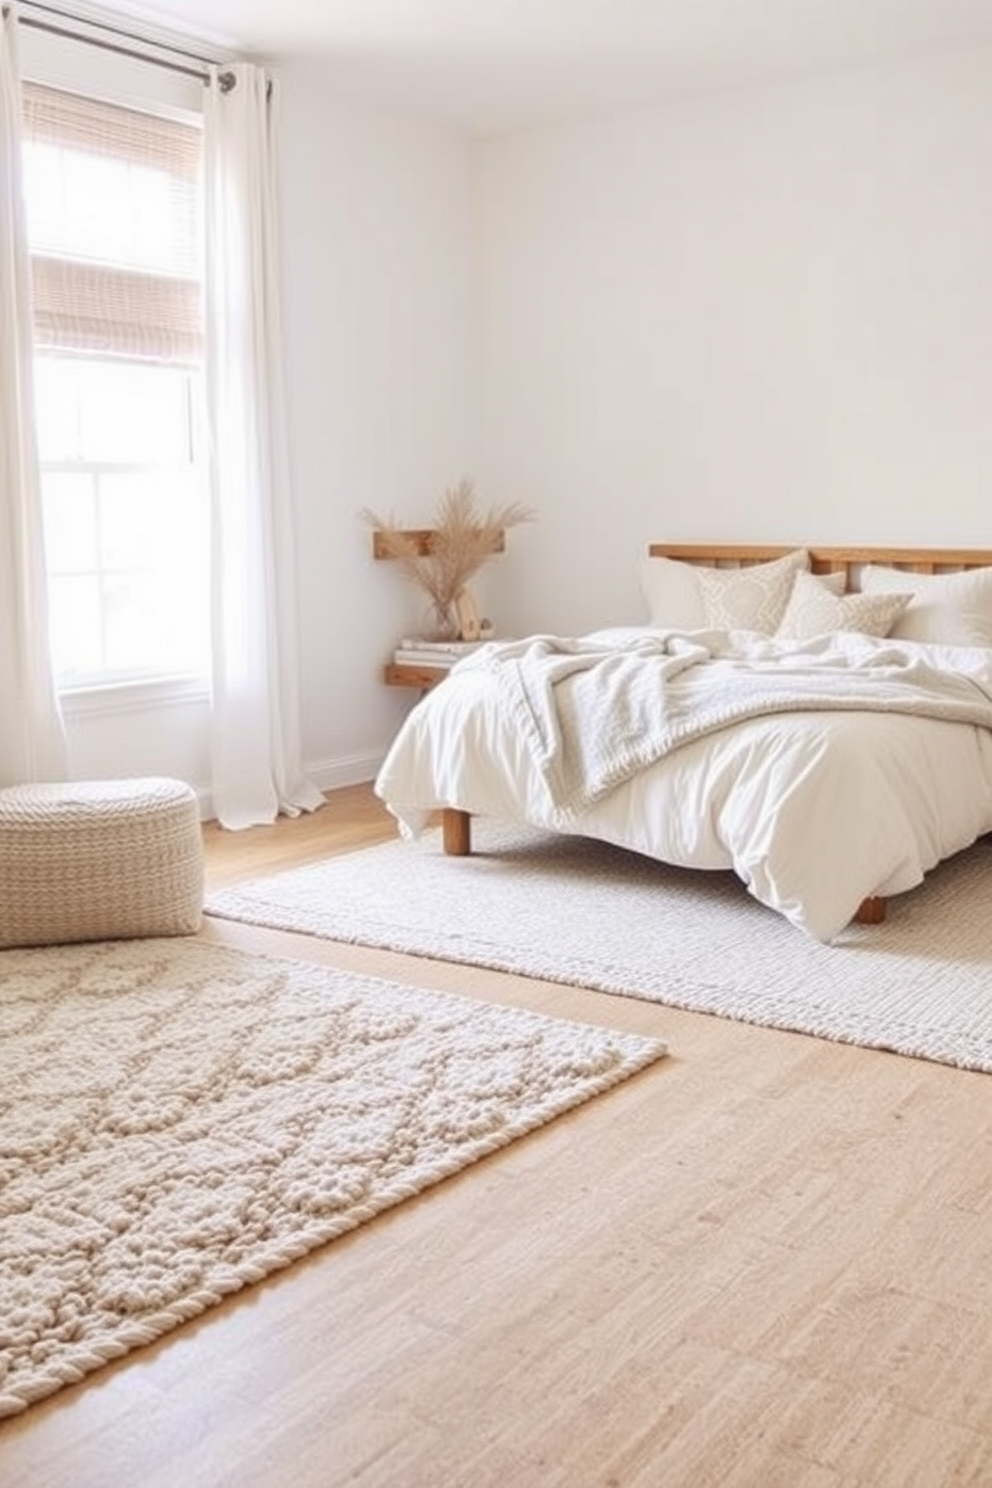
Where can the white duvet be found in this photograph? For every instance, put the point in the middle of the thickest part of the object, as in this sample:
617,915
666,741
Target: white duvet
873,765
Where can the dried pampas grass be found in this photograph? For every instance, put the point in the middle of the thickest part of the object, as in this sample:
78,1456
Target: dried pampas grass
462,539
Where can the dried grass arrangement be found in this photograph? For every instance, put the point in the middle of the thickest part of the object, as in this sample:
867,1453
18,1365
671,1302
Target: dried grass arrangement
462,539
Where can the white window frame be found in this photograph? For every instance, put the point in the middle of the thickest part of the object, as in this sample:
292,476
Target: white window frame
61,62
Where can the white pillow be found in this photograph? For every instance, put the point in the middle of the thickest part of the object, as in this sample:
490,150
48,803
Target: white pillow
752,597
834,583
672,592
813,610
949,609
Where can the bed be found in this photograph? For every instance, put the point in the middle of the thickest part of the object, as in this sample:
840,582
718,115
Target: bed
818,720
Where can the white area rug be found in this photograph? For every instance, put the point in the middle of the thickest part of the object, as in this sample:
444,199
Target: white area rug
572,910
178,1120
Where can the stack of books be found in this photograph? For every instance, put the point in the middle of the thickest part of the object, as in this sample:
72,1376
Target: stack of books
413,651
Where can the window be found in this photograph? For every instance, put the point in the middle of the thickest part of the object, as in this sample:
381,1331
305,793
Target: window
113,206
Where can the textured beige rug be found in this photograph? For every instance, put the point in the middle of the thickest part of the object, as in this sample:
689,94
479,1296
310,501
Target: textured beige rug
572,910
178,1120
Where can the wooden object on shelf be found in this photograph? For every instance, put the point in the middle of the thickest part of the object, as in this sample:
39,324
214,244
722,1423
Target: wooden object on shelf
422,537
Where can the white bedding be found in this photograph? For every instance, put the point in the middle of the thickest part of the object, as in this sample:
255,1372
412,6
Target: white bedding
815,809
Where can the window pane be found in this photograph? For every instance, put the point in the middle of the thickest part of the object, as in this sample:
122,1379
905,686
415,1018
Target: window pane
143,620
42,195
75,626
57,408
133,413
127,538
110,412
69,504
144,519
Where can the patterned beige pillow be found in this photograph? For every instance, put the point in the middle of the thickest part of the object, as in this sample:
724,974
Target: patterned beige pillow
813,610
749,598
950,609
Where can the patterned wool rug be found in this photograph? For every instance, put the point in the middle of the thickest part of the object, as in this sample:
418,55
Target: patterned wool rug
572,910
178,1120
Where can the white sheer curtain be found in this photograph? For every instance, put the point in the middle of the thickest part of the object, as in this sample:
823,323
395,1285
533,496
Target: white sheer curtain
32,741
257,771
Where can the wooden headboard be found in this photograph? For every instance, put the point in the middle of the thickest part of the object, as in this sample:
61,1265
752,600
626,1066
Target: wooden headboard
828,560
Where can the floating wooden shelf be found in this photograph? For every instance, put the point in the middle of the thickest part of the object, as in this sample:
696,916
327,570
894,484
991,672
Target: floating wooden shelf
405,674
422,537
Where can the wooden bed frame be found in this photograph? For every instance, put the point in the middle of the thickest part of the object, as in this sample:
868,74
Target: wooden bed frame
456,825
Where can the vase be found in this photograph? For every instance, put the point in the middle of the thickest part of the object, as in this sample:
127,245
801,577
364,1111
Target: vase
441,623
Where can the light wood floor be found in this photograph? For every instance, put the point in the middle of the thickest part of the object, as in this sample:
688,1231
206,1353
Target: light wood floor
765,1262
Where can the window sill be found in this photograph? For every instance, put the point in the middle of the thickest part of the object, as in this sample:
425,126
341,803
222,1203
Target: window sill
133,696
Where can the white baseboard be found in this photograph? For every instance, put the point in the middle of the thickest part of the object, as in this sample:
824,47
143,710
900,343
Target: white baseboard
349,769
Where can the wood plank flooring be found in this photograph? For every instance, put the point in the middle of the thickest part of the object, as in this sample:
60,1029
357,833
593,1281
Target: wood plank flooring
765,1262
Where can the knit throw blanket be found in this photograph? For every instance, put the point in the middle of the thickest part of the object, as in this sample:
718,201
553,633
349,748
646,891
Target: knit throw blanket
595,712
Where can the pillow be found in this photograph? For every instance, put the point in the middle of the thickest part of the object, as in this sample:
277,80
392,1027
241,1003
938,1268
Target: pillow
753,597
813,610
949,609
672,592
834,583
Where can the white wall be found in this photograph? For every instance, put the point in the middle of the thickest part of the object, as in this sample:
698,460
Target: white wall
380,262
763,315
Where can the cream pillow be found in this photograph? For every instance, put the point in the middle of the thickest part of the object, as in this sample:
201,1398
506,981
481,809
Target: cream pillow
672,592
752,597
813,610
834,583
948,609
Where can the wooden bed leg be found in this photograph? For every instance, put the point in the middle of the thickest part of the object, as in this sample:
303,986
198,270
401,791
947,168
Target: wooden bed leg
456,832
871,911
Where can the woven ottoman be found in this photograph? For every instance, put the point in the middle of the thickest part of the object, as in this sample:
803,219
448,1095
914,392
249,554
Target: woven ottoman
99,860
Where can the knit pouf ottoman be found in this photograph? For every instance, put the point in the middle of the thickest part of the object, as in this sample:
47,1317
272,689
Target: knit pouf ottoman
99,860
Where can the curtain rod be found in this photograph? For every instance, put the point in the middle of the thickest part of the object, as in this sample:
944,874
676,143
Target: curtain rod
226,80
